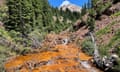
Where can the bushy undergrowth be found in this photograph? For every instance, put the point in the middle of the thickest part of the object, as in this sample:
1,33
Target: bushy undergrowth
4,54
3,13
87,46
116,14
9,46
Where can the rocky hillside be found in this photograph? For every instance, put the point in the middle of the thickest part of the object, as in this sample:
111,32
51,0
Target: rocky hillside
106,33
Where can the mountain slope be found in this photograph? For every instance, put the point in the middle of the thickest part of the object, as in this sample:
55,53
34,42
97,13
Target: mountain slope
72,7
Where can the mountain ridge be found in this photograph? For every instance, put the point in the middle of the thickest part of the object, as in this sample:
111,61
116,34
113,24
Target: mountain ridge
70,6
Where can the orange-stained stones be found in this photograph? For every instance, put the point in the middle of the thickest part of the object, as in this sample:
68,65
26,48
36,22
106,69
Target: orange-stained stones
24,70
61,60
20,60
84,56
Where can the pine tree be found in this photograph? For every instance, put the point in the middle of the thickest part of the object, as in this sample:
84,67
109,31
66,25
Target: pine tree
89,4
37,7
28,15
20,16
91,24
84,10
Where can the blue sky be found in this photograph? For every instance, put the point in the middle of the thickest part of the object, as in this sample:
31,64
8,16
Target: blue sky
56,3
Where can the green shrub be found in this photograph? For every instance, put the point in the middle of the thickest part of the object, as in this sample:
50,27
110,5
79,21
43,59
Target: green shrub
4,54
91,24
3,13
5,34
87,47
36,37
116,14
103,50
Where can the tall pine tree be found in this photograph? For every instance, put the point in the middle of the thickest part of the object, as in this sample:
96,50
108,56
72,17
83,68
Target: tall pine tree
20,16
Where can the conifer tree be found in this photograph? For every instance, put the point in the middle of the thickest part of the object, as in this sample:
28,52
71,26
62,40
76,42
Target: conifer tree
84,10
37,5
20,16
91,24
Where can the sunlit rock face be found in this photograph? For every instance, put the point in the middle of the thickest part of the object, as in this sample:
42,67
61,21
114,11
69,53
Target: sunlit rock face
72,7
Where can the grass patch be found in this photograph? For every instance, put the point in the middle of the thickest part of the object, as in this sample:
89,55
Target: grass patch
88,46
116,14
115,39
103,50
113,42
105,30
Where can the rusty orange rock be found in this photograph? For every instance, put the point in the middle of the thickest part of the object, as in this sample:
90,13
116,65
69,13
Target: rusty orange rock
61,60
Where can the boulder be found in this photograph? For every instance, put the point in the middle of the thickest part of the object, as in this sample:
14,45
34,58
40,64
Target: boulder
115,8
